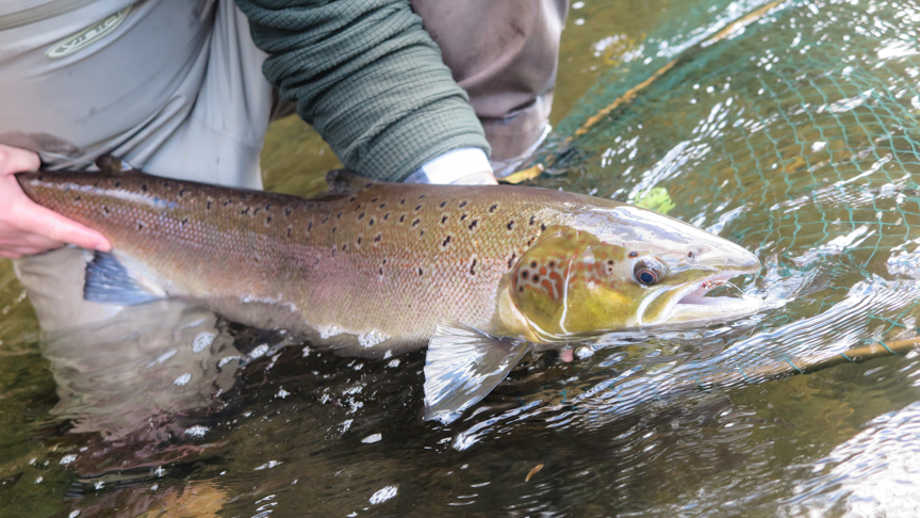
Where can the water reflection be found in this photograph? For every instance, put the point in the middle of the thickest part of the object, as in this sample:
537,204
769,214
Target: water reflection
874,473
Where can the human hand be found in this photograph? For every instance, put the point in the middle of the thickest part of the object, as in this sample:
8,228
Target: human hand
28,228
464,166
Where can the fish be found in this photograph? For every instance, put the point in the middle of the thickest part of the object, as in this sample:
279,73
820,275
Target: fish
480,275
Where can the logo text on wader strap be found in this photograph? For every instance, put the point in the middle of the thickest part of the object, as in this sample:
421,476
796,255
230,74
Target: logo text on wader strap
87,36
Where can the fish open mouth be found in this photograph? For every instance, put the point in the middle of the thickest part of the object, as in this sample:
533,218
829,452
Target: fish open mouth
693,304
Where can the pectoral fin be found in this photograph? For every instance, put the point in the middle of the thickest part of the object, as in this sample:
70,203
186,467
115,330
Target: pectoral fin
462,366
108,281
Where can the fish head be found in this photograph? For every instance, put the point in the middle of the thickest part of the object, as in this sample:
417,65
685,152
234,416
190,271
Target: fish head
624,267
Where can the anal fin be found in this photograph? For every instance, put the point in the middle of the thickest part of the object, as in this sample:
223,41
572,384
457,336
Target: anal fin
462,366
108,281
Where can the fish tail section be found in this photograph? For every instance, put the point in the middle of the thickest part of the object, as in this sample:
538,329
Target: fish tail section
109,281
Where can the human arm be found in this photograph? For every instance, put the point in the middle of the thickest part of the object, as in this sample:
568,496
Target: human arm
27,228
371,81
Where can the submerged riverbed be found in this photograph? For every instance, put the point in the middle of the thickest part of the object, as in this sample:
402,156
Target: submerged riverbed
788,127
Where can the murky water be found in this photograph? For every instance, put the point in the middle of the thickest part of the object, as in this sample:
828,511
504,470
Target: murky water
794,134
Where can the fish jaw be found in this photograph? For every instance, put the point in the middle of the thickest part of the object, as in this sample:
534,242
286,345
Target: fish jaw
690,304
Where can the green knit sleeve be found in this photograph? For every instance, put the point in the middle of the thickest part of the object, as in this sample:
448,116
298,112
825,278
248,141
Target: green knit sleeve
368,77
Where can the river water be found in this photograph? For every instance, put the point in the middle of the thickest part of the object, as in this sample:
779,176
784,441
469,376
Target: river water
792,132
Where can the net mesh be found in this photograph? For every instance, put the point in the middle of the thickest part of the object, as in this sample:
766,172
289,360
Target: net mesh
789,127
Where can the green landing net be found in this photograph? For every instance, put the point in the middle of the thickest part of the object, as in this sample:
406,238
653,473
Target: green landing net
790,128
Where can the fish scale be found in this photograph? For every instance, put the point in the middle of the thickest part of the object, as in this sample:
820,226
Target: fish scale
319,259
480,274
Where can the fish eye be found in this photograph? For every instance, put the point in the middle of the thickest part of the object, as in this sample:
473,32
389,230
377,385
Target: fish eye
647,273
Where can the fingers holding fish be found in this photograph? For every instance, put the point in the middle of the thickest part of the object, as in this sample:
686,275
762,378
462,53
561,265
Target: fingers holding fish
27,228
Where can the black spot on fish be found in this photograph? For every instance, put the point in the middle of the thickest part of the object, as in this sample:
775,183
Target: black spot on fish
532,220
359,240
421,196
386,216
140,226
77,197
268,206
473,267
380,271
289,231
370,222
333,229
184,222
268,220
445,242
352,199
183,192
463,203
360,216
533,264
421,232
382,206
510,224
402,218
144,187
338,216
690,254
418,207
511,260
310,226
420,272
442,204
344,246
633,254
377,239
105,210
552,264
464,216
288,211
415,222
473,224
208,205
402,201
374,199
443,219
226,202
536,278
384,260
524,274
542,227
245,211
493,207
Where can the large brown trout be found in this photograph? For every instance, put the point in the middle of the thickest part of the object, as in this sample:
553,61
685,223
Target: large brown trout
479,274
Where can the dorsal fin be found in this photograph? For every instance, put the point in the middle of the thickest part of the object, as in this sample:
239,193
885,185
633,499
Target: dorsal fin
110,164
343,181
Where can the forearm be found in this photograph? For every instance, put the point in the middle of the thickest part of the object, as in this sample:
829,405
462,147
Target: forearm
368,77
